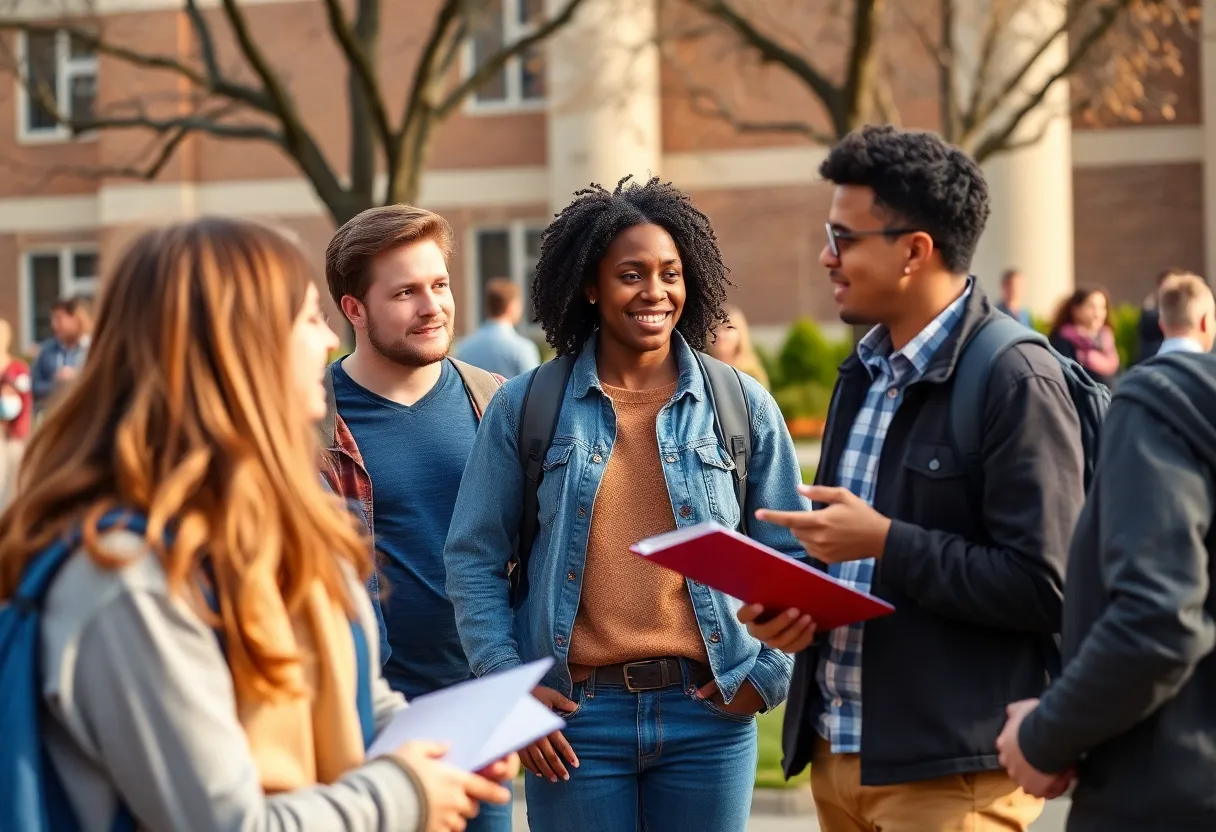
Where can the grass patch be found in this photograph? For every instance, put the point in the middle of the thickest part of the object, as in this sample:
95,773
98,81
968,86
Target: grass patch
768,767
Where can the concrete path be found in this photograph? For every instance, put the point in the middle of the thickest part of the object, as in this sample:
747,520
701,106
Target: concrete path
808,452
1052,820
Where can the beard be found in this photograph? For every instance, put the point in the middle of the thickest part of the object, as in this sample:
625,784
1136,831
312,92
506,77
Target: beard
403,353
856,319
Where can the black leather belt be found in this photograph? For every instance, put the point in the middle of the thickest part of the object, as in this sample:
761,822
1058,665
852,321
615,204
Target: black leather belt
654,674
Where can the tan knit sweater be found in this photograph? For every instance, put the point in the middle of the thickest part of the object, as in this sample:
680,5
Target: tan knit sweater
630,608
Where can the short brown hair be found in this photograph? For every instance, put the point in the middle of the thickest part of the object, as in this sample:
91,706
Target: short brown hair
1183,300
68,306
500,293
372,232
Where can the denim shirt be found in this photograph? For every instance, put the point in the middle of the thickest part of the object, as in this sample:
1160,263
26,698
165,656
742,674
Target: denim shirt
486,521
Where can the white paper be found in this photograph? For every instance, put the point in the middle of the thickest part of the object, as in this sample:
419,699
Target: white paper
480,721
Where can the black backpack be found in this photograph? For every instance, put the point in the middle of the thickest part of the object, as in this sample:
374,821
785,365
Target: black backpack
542,403
981,352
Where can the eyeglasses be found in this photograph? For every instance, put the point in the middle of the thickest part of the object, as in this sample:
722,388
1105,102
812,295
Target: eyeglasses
837,234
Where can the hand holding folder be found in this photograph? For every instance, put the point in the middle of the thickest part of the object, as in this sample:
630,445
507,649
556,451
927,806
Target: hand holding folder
755,574
479,721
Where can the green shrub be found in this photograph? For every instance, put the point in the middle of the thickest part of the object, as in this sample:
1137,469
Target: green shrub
806,400
771,366
1124,320
807,356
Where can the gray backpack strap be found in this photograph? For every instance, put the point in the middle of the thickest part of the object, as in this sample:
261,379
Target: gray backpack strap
980,354
734,421
480,384
537,422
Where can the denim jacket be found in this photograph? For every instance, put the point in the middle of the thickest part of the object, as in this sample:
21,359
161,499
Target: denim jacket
486,522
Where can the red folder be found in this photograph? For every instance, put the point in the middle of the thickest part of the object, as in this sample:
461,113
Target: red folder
755,574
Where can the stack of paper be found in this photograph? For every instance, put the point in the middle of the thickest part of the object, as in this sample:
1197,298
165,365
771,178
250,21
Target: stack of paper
480,721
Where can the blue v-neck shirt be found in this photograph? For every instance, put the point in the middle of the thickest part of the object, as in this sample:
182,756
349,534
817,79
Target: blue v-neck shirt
415,457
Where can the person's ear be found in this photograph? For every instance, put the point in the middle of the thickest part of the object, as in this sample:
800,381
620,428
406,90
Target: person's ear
354,310
920,248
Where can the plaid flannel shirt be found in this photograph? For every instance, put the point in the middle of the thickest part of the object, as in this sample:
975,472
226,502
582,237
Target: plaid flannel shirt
839,669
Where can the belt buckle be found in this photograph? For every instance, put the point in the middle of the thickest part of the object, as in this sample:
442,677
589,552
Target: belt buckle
628,666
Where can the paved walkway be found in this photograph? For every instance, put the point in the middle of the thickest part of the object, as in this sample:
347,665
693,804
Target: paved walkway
1052,820
808,452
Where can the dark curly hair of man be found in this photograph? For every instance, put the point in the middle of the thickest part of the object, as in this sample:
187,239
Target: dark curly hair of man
577,239
919,181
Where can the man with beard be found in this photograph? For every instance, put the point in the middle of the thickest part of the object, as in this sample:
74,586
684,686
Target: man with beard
402,424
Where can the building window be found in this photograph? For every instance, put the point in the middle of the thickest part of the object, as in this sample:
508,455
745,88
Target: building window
505,251
64,70
51,275
521,83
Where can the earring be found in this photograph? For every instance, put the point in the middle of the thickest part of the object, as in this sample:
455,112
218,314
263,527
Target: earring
907,270
592,301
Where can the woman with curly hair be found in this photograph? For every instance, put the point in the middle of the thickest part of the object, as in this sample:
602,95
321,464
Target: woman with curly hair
208,649
657,680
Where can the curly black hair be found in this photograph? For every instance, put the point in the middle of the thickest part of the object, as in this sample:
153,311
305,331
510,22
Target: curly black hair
574,243
921,181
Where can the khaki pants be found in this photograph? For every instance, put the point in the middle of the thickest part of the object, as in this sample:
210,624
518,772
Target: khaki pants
981,802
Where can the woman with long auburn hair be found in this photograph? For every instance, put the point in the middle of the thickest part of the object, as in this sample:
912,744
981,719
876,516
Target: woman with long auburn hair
203,674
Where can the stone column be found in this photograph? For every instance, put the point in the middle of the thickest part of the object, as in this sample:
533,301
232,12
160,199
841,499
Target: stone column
1031,225
603,90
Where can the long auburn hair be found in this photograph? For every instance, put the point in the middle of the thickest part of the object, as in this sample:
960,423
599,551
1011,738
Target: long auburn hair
185,412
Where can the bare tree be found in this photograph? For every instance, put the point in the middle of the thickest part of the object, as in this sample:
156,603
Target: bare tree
994,65
252,100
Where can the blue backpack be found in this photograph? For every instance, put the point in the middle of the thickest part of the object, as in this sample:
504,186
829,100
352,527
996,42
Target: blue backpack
37,801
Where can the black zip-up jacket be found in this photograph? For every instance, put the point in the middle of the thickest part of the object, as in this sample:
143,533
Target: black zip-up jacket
1136,705
976,579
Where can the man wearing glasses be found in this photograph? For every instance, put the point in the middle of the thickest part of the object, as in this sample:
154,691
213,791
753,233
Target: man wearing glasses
900,716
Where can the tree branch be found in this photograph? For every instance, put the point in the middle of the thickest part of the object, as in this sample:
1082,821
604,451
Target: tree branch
97,172
1107,17
219,85
1000,139
829,94
708,102
884,102
361,68
947,73
494,63
297,140
860,71
206,44
202,123
719,109
987,53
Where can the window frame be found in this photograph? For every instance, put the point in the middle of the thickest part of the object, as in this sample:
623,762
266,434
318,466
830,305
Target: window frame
517,244
514,102
67,68
69,284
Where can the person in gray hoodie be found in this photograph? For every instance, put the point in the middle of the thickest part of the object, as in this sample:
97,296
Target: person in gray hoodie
1133,716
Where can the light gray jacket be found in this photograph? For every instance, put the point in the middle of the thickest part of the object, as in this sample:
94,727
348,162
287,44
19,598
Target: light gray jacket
143,707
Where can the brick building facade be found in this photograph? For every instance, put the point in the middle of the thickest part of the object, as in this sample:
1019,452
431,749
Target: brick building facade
1143,196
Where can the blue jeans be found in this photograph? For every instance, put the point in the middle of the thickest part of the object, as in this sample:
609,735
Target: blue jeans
492,817
656,761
